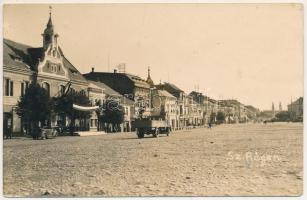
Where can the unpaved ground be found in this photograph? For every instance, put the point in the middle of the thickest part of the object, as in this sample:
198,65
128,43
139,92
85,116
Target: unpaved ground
251,159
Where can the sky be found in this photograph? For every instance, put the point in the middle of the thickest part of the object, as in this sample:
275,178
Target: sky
249,52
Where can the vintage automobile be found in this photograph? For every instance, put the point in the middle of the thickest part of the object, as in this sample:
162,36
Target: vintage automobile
48,133
152,127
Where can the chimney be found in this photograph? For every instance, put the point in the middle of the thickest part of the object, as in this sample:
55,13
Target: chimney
93,69
115,71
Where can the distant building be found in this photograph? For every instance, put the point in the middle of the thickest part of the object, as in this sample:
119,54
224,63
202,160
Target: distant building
252,112
168,107
238,110
195,112
181,102
296,108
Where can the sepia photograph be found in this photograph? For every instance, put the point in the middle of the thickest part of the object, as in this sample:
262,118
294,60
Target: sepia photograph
152,99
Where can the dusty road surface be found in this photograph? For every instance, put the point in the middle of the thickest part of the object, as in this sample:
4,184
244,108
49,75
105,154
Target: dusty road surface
249,159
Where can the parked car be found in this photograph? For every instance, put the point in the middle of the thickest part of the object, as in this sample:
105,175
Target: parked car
48,132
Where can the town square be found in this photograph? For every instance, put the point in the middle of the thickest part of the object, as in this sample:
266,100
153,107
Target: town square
198,162
152,100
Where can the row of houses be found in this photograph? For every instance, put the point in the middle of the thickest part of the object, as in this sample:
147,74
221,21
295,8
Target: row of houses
49,67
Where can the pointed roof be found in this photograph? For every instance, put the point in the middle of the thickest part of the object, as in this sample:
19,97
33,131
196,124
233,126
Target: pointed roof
49,27
49,24
149,80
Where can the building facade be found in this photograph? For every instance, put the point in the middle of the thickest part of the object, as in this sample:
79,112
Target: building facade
46,65
296,108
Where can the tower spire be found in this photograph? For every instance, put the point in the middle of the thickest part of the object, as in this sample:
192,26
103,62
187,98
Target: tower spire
149,80
49,35
49,24
148,72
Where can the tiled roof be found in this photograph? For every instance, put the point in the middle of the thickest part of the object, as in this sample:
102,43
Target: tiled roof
16,56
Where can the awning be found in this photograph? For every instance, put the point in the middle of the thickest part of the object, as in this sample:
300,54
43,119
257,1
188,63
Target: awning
84,108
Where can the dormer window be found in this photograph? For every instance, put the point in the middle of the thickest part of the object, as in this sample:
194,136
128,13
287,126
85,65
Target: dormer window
16,57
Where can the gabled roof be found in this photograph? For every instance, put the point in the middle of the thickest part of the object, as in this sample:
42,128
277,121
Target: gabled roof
21,57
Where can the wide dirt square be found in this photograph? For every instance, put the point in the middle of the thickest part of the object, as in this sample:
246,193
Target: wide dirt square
232,160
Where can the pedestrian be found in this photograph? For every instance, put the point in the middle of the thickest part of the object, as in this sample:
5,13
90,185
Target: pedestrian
8,131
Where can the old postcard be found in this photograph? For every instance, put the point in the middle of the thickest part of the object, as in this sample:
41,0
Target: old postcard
146,100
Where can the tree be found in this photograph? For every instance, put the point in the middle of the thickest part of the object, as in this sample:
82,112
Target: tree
64,107
34,107
283,116
220,117
113,113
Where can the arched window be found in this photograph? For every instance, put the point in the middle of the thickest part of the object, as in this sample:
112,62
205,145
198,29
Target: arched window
46,86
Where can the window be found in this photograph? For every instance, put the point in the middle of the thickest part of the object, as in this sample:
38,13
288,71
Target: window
8,87
82,92
22,89
46,86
